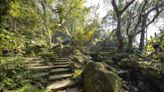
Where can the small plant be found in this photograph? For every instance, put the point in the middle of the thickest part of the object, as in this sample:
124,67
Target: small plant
77,74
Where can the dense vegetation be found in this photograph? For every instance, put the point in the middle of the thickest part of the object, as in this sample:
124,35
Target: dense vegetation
49,29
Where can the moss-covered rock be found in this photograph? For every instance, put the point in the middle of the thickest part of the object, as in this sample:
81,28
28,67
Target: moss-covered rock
119,56
129,63
96,78
108,67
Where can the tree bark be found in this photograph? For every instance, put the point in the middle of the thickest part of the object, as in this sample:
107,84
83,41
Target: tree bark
130,44
142,38
119,12
119,35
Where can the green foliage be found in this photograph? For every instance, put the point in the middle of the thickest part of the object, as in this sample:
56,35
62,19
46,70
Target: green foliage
47,56
32,22
57,49
21,25
83,36
14,9
5,39
77,74
28,88
13,74
73,16
156,57
9,41
35,49
16,77
158,39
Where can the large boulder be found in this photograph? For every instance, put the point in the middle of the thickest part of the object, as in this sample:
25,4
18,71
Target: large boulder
96,78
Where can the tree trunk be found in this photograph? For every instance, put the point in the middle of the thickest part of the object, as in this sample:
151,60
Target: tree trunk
130,44
46,22
142,38
142,41
119,35
119,13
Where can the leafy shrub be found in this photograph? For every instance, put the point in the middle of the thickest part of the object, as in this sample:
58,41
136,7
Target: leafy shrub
47,56
77,74
13,75
10,42
35,49
57,49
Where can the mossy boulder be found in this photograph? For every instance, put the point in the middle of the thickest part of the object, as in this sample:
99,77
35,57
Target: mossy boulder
119,56
129,63
96,78
108,67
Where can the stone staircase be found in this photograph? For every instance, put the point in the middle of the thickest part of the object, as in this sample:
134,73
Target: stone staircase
57,74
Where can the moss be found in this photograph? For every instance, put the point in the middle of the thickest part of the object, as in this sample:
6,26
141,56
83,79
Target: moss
129,63
98,79
119,56
108,67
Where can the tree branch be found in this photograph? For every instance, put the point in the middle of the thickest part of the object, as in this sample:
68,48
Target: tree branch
127,6
157,14
139,18
115,7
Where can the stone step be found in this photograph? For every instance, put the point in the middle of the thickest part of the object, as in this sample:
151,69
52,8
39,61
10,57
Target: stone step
122,72
60,66
43,74
34,64
59,85
60,70
47,67
70,90
58,60
60,76
36,61
41,67
38,75
61,63
63,58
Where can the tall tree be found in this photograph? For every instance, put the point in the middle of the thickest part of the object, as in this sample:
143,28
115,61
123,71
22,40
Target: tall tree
119,13
47,9
71,16
137,19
